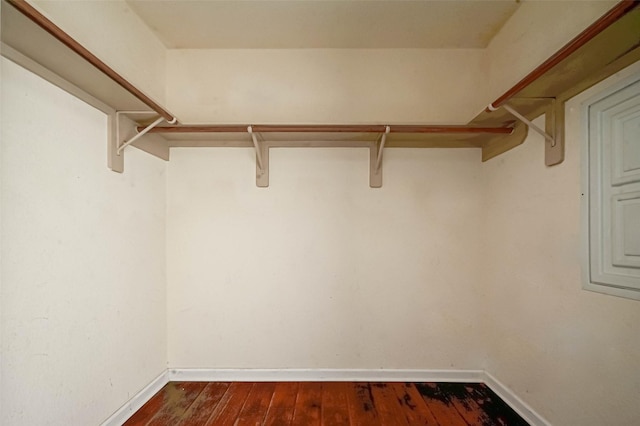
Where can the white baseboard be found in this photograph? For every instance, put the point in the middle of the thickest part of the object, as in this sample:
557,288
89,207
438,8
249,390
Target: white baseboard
323,375
138,400
512,400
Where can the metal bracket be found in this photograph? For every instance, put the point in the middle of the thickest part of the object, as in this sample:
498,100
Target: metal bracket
375,160
554,125
123,132
554,129
262,160
262,147
384,140
114,162
139,135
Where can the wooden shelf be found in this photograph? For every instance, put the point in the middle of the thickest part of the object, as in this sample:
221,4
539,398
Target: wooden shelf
400,136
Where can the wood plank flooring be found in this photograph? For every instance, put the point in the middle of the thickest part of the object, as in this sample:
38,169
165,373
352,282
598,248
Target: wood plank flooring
326,404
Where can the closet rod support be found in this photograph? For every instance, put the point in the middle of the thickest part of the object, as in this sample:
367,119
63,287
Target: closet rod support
142,133
526,121
119,113
256,146
382,142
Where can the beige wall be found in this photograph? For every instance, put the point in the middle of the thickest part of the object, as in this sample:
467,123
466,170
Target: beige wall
570,353
325,85
83,261
319,270
436,86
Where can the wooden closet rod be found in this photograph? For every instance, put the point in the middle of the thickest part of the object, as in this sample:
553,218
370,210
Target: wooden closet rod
328,128
617,12
39,19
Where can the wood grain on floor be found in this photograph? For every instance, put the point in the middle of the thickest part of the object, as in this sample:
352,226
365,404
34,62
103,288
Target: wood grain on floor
326,404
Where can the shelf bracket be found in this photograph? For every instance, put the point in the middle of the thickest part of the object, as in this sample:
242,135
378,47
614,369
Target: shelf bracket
375,160
382,142
262,160
139,135
553,132
554,124
123,132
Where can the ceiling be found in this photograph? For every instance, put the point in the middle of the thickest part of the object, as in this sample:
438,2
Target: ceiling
268,24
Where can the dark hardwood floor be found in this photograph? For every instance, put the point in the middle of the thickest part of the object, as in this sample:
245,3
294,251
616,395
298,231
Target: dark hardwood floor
325,403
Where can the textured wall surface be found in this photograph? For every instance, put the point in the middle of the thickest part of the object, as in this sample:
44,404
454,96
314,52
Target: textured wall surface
570,353
319,270
83,261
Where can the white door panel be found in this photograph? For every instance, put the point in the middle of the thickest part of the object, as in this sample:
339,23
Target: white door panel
613,189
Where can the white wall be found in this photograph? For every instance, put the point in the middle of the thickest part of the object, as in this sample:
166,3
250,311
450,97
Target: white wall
83,261
570,353
325,85
319,270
